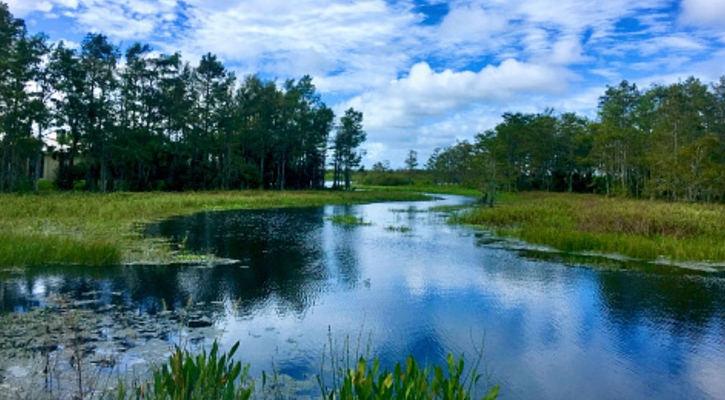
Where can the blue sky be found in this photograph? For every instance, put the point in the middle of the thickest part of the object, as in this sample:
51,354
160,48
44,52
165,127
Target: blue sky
424,72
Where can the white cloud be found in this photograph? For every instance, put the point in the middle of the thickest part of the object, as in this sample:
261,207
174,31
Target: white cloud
422,85
428,109
697,12
134,20
358,40
669,43
22,8
425,93
471,22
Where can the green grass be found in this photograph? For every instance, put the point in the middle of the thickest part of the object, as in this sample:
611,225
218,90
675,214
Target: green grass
98,229
348,220
645,230
35,249
433,189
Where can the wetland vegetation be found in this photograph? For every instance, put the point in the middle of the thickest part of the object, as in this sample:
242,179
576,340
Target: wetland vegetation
642,229
157,126
97,229
348,220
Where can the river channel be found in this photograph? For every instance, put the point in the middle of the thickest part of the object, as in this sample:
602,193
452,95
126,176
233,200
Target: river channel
549,326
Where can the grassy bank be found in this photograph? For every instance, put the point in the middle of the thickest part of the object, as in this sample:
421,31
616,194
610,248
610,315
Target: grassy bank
97,229
434,189
640,229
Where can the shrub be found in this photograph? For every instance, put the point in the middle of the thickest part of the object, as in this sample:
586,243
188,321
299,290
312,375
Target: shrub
79,184
387,178
46,185
204,376
210,376
348,220
367,383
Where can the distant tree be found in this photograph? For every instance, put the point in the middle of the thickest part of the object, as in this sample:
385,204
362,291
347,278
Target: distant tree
411,163
573,145
381,166
615,141
346,155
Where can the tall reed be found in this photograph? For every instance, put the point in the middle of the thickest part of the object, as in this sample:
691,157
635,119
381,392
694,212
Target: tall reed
641,229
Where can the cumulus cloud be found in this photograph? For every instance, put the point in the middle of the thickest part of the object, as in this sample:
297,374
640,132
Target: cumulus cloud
21,8
421,85
710,12
359,40
425,93
428,108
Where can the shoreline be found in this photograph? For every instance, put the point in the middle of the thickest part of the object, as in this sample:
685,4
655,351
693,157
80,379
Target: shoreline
673,234
106,229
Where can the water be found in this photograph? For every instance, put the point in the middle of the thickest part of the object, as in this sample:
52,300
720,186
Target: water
550,326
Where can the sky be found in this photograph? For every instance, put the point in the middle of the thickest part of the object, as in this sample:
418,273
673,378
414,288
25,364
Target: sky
425,73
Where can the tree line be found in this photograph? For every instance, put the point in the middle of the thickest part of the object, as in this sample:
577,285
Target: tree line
665,142
146,121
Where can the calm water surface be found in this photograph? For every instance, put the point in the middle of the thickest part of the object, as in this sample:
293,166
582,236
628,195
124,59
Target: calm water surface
550,330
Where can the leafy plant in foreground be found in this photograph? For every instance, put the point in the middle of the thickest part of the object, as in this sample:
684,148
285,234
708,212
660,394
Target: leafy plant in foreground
368,383
204,376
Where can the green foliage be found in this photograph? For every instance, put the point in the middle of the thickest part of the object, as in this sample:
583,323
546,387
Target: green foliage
202,376
349,136
367,382
385,178
641,229
36,249
399,228
45,185
433,189
348,220
95,229
667,142
21,104
157,123
79,185
213,376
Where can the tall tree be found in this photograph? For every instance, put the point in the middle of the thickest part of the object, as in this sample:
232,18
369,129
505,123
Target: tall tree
411,163
349,136
22,106
99,59
70,111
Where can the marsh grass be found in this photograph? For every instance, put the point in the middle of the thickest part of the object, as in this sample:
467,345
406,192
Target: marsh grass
645,230
449,209
103,229
348,220
36,249
398,228
432,189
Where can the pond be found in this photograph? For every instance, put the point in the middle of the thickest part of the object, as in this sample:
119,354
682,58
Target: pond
550,326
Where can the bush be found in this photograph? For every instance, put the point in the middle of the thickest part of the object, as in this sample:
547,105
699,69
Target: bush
385,178
367,383
79,185
46,185
209,376
204,376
